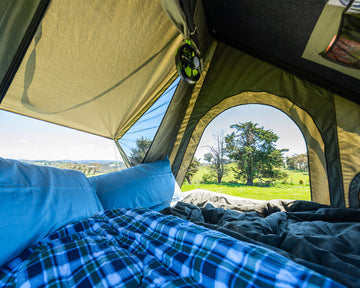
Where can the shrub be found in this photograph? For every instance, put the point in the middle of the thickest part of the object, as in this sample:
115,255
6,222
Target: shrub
208,177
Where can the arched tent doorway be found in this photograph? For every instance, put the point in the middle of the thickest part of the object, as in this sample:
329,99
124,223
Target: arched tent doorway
314,142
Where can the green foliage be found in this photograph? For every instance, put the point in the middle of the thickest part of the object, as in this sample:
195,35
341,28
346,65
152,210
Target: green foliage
297,162
253,151
208,178
193,168
208,157
280,189
293,177
138,153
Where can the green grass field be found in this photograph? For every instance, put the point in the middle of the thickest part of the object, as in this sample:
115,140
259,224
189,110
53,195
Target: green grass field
289,188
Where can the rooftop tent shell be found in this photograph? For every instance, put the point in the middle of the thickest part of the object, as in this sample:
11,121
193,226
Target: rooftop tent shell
97,66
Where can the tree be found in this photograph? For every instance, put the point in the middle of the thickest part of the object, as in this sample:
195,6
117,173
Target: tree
216,157
93,168
193,168
298,162
254,153
138,153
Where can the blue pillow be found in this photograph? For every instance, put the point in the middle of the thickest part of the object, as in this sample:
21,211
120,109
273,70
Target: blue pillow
36,201
149,185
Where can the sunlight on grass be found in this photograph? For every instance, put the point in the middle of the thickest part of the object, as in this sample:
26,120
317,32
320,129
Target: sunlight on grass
289,188
292,192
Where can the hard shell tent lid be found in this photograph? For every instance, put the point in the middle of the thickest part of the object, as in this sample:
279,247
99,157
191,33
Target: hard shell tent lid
97,66
293,35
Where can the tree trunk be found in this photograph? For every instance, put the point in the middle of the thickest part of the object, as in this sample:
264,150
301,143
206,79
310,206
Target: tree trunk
250,181
188,179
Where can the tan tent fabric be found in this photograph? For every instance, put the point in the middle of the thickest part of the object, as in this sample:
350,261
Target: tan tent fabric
348,119
91,55
176,15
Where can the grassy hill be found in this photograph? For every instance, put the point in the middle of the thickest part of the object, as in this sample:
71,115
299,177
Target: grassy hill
296,186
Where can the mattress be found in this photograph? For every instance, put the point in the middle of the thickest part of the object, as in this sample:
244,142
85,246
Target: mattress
143,248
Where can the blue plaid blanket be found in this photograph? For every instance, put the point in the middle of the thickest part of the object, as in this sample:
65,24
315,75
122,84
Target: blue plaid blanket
142,248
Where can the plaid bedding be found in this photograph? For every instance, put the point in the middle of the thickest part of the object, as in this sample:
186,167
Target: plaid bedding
142,248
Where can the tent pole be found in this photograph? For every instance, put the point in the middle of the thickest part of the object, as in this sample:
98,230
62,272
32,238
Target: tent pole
122,153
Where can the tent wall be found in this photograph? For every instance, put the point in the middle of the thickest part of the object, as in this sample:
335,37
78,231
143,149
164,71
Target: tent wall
232,73
95,66
348,120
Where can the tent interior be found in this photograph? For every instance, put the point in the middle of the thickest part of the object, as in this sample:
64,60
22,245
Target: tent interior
99,72
99,66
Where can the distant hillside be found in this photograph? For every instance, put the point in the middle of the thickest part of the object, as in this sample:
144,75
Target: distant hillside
89,167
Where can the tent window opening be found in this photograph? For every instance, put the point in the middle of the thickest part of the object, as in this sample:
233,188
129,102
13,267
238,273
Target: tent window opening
137,140
252,151
344,48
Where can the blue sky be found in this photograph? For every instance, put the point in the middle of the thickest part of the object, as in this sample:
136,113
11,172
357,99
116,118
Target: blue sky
148,124
27,138
268,117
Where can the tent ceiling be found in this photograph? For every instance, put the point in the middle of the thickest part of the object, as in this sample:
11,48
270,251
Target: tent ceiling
277,31
95,65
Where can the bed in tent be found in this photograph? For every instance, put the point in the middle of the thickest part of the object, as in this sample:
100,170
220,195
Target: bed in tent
98,66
